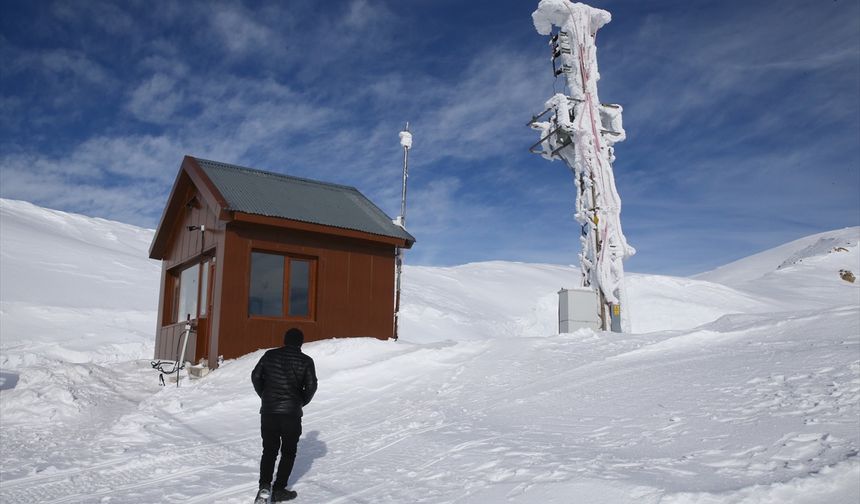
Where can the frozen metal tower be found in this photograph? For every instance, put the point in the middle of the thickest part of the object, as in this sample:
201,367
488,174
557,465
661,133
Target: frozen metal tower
581,131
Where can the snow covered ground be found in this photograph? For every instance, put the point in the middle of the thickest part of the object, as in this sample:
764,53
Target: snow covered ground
741,385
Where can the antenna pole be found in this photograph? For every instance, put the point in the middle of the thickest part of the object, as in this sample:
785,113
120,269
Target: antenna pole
406,143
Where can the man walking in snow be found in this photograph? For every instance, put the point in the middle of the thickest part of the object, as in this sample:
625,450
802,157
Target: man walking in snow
286,380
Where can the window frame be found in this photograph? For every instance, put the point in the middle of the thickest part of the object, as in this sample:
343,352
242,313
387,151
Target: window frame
287,257
177,302
175,276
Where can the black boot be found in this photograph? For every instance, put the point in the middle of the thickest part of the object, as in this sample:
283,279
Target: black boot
263,495
283,495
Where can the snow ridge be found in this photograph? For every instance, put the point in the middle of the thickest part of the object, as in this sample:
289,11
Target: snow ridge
822,246
759,265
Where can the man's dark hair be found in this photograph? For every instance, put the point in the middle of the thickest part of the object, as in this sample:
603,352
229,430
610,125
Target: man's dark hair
294,337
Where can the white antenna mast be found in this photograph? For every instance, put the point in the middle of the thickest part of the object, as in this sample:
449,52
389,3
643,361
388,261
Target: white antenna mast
406,143
581,131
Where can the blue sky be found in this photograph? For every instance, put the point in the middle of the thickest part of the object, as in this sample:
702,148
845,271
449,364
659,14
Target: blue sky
742,117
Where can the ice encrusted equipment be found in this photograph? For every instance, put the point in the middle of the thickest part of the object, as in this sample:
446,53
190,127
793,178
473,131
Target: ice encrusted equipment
581,131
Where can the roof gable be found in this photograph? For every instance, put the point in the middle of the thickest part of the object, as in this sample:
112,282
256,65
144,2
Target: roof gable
240,189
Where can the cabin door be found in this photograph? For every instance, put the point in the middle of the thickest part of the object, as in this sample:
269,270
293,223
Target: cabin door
207,281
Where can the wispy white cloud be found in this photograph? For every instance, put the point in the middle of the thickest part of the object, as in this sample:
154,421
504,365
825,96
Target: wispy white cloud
108,16
131,203
361,14
60,68
156,99
238,31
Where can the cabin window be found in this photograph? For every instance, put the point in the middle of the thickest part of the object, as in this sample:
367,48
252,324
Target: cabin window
191,294
186,302
267,285
273,276
300,279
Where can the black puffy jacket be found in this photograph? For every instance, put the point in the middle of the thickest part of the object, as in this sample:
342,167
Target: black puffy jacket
285,379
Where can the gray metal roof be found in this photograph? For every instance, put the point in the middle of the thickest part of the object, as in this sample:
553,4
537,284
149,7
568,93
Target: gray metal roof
275,195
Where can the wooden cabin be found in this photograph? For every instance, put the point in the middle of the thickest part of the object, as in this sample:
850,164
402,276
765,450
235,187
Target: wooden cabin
247,254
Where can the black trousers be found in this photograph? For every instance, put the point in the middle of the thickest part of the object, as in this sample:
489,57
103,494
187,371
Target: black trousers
280,433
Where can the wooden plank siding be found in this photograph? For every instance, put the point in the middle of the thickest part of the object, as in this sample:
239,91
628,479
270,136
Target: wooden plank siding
354,288
184,248
185,245
169,342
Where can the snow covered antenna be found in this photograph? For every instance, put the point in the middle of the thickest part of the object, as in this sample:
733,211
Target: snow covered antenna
406,143
578,120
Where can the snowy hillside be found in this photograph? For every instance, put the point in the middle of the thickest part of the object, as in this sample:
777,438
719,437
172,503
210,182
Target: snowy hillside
73,288
745,391
804,272
811,249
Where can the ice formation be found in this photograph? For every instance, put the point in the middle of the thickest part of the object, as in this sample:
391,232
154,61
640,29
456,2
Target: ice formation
406,139
591,128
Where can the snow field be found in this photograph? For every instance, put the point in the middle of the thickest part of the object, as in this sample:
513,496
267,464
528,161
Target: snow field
748,393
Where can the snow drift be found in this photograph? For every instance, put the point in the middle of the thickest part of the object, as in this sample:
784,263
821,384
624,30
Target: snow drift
744,390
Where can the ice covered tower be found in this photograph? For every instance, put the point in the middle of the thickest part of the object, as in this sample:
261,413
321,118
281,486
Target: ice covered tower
581,131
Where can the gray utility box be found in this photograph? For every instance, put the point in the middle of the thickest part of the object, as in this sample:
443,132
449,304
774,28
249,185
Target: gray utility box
577,308
615,318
